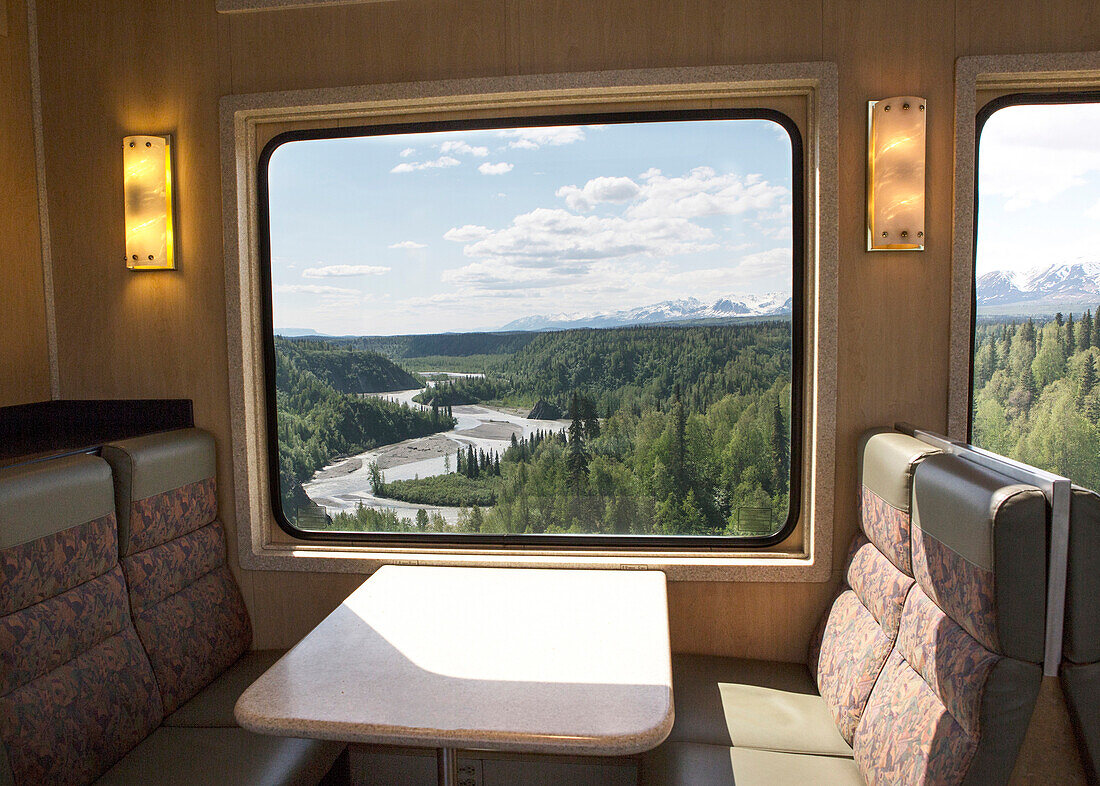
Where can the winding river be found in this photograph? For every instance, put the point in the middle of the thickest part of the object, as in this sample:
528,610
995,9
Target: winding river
346,484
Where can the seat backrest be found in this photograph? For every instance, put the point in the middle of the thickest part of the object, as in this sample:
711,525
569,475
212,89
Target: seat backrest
76,689
954,700
187,608
1081,641
857,632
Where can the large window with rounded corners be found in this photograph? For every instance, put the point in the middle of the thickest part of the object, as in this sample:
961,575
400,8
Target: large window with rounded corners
1034,389
580,330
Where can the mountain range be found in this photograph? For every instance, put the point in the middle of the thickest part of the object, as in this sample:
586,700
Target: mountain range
684,310
1042,288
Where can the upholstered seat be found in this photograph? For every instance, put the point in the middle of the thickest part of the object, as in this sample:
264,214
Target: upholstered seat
753,704
226,757
213,705
76,689
1081,662
696,764
923,670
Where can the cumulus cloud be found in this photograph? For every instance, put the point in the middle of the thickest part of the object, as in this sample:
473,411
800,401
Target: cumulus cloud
343,271
534,138
408,151
495,169
704,192
546,237
600,189
458,147
416,166
408,244
315,289
467,234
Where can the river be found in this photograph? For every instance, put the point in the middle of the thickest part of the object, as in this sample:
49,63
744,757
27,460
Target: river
345,484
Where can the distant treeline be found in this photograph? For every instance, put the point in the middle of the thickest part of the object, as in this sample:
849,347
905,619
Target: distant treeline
445,344
1037,395
637,368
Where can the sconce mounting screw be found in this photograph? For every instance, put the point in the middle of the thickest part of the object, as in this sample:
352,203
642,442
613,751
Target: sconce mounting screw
905,106
920,234
886,234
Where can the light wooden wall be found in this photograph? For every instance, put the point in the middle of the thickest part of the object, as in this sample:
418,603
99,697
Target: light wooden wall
25,374
123,66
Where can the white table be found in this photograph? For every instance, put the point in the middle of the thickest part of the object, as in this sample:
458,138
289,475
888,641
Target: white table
537,661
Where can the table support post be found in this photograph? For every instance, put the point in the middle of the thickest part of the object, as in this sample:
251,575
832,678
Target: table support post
447,761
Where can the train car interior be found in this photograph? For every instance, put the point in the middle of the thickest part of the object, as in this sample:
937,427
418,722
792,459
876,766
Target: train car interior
531,392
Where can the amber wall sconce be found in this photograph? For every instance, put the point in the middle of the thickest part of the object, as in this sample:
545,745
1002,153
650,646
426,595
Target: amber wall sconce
149,202
895,174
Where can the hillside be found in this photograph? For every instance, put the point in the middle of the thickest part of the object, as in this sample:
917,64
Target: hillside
347,370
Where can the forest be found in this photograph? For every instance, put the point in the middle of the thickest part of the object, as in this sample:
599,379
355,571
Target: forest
318,422
1036,396
673,430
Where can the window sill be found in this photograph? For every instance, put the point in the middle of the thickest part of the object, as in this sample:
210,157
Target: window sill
762,566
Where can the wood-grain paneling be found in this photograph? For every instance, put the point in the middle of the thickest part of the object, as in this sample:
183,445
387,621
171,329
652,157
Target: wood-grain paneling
23,347
124,66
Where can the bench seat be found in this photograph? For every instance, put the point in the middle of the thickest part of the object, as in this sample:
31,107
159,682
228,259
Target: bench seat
228,757
213,705
733,702
699,764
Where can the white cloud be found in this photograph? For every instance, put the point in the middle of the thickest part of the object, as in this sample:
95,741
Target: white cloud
342,271
408,151
416,166
408,244
534,138
495,169
1094,212
703,192
1033,154
315,289
458,147
548,237
765,264
467,234
600,189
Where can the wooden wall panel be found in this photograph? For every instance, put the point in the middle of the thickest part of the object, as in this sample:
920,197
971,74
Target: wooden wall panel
23,348
129,65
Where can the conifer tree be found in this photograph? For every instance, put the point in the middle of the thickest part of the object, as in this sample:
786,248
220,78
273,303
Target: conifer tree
1084,332
1088,381
1096,328
1070,342
577,452
780,450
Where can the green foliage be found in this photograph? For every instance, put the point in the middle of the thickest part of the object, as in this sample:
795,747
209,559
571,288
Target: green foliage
317,424
451,490
346,370
449,345
674,430
1036,397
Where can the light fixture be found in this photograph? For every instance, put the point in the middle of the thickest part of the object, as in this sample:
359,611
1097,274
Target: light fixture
150,223
895,174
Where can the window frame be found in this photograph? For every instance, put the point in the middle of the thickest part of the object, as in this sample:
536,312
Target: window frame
987,110
570,541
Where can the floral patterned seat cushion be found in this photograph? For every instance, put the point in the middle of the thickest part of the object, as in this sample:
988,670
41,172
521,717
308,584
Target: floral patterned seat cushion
187,608
76,688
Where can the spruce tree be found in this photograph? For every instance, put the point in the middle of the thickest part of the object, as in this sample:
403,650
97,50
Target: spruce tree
1088,381
1084,332
1096,328
577,453
780,450
1070,342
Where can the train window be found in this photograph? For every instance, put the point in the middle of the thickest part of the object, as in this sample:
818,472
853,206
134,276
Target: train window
580,330
1035,394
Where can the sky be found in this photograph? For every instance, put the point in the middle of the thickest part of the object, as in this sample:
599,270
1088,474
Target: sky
468,230
1038,187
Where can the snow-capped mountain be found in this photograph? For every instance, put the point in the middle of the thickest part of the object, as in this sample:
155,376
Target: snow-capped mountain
688,309
1064,284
